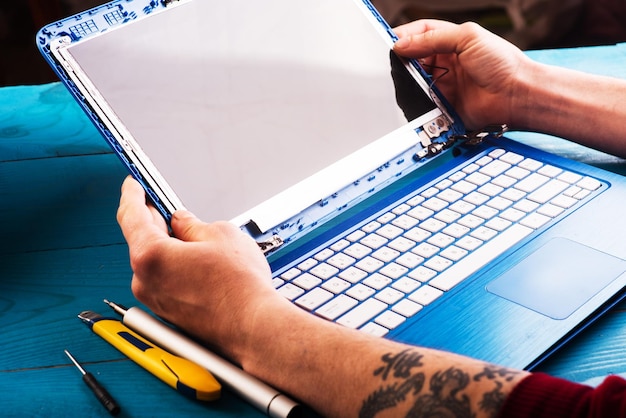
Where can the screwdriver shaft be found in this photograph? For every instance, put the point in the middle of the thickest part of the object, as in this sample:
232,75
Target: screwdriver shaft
101,393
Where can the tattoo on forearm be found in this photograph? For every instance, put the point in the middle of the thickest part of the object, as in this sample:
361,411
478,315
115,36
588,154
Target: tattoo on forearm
389,396
444,395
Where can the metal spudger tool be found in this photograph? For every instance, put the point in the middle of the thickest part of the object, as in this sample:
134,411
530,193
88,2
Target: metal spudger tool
101,393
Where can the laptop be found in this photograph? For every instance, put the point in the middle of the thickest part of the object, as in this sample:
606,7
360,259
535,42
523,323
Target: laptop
375,207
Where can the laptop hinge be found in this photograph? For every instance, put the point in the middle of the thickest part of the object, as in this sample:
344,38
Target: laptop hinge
476,137
271,244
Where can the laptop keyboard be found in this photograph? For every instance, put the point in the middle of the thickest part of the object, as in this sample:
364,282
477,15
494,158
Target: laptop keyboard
379,275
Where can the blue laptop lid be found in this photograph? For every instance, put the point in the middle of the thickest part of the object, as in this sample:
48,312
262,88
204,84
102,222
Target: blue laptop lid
317,112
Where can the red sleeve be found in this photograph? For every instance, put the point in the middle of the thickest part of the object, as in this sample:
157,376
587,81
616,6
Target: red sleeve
540,395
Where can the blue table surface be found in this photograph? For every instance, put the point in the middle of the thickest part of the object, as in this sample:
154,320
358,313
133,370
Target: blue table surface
61,252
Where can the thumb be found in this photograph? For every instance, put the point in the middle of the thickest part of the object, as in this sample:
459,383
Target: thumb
187,227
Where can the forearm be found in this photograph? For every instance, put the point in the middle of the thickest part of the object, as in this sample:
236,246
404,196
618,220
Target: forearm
584,108
341,372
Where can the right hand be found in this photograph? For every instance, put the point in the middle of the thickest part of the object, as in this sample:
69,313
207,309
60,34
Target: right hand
483,72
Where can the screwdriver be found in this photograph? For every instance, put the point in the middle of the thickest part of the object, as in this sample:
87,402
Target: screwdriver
101,393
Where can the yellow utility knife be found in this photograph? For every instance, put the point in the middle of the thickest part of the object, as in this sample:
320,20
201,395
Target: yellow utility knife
185,376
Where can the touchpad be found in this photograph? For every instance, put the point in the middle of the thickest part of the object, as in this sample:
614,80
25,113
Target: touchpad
558,278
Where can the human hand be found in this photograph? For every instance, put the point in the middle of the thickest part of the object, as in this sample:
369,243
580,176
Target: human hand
479,73
209,279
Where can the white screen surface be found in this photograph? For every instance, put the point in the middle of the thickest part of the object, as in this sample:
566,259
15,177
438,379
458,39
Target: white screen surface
235,101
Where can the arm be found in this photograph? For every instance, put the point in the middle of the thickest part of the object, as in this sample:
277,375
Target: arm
214,282
491,81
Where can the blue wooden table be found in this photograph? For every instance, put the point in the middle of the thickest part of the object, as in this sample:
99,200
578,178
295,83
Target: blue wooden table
61,252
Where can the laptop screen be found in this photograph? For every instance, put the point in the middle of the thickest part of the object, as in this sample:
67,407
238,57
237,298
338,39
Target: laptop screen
235,101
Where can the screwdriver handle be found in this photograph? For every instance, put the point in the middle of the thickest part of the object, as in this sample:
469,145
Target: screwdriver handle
101,393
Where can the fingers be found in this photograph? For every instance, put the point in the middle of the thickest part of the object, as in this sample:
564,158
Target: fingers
139,222
424,38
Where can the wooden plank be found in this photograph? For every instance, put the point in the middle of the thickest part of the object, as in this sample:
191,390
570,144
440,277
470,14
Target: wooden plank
59,392
56,203
40,295
44,121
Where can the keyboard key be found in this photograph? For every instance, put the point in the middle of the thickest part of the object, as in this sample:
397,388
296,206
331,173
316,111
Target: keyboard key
425,250
356,251
532,182
362,313
355,236
290,291
441,240
374,329
469,243
336,285
450,195
400,209
548,191
405,222
385,254
324,271
406,285
394,270
341,261
454,253
407,308
422,274
420,212
416,200
432,225
550,210
373,241
307,281
456,230
307,264
589,183
550,171
383,219
336,307
499,203
324,254
377,281
425,295
535,220
435,204
353,274
290,274
390,231
462,207
512,158
569,177
340,245
389,295
495,168
371,227
438,263
313,299
490,189
369,264
417,234
401,244
476,198
360,291
498,224
389,319
448,216
483,233
409,260
464,187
